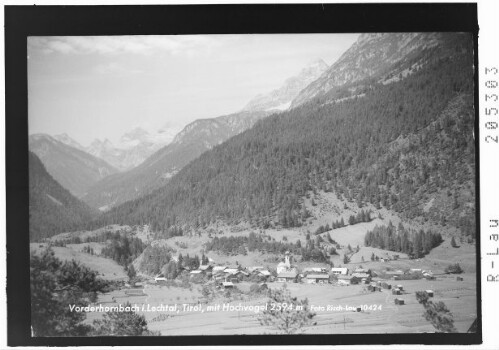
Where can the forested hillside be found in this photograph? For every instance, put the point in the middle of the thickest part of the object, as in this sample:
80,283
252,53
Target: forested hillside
403,144
52,208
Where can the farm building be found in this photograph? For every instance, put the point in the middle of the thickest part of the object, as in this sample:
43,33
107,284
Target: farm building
459,278
317,278
160,278
386,285
399,286
339,270
396,291
347,280
287,277
399,301
429,292
361,270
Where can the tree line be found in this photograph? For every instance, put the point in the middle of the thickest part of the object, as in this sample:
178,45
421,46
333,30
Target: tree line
412,242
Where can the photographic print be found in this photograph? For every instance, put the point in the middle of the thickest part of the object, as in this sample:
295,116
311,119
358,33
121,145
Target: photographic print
252,184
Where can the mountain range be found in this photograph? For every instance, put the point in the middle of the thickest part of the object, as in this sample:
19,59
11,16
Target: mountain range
262,175
196,138
390,123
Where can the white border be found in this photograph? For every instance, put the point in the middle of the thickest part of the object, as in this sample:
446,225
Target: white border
488,19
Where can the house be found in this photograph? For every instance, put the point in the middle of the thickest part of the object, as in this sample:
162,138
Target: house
361,270
339,270
459,278
399,286
416,270
396,291
429,292
317,278
196,272
160,278
399,301
287,277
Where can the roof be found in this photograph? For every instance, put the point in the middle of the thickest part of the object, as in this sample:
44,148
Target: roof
196,271
204,267
340,269
231,270
227,284
315,269
264,272
361,270
360,275
287,275
344,277
317,276
219,268
255,268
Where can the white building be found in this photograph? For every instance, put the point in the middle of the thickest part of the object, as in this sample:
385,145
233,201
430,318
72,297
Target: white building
339,270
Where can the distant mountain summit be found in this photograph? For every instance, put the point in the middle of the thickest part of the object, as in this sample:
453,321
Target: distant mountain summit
281,98
371,55
133,147
64,138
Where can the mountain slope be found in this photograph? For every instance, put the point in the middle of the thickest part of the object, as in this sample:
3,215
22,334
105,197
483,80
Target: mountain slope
371,55
154,172
52,208
73,168
262,174
281,98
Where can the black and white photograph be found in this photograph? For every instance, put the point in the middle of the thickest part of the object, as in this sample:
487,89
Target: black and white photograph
252,184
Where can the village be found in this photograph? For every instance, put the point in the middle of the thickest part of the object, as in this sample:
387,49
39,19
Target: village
229,277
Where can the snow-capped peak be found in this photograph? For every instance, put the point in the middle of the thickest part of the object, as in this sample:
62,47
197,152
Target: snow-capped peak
280,99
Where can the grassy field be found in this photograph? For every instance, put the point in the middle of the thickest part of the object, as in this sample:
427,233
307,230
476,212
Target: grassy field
107,268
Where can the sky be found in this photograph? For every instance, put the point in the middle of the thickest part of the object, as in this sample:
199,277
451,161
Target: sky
102,87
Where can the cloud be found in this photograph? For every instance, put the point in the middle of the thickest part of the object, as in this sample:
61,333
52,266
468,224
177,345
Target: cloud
115,68
140,44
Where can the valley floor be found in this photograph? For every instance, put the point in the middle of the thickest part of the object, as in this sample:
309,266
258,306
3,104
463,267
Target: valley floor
381,314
